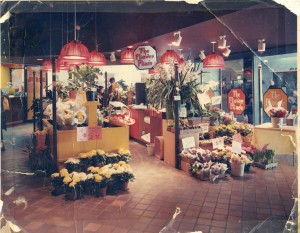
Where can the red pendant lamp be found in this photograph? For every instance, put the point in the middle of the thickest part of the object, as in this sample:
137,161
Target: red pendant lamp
61,65
213,60
169,57
97,59
127,55
47,66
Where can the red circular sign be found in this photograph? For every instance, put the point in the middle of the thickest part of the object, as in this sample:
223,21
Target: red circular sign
236,101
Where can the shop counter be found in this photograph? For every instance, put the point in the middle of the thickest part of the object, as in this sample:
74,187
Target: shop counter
280,140
67,145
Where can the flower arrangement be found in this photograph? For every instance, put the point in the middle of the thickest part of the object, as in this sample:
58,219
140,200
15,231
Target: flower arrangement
74,185
244,129
239,159
279,113
217,170
227,119
200,170
224,130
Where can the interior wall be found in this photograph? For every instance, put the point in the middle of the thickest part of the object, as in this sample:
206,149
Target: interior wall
5,76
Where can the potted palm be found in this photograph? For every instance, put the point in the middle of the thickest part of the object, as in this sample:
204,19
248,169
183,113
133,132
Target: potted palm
87,76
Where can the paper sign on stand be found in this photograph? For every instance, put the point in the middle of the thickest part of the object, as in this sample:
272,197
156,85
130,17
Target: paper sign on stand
236,147
89,133
218,143
205,128
79,98
204,98
188,142
215,100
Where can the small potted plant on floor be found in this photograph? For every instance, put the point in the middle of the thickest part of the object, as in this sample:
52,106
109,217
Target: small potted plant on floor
264,158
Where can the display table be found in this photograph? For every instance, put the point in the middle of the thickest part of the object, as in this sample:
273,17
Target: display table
67,146
277,138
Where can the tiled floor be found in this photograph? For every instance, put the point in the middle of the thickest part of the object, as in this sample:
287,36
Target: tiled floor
231,205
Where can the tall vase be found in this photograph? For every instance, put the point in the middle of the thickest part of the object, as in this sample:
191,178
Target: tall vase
276,122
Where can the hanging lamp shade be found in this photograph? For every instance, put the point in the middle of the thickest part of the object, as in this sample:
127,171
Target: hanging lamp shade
61,64
169,57
47,65
97,59
213,60
127,55
75,50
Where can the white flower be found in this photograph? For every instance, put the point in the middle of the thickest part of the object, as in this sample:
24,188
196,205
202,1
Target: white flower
73,161
90,176
82,176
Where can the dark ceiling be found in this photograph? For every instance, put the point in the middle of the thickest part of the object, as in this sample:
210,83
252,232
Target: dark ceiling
40,28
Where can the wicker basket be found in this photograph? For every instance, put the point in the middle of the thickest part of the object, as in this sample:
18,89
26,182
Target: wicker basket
116,122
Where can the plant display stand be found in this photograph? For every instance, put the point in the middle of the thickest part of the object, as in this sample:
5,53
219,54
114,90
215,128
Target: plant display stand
265,166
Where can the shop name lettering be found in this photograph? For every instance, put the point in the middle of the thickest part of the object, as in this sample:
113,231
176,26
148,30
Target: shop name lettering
235,101
275,98
143,57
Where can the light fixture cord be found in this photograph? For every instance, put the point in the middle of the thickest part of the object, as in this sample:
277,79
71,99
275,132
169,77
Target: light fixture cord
75,20
96,39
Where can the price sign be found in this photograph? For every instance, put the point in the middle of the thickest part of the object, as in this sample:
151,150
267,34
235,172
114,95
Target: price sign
204,98
89,133
145,57
188,142
236,101
218,143
236,147
215,100
205,128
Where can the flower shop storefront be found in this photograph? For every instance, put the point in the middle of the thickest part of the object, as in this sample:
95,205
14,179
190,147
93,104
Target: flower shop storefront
127,139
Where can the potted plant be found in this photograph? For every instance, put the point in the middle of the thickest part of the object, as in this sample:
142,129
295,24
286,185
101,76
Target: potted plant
72,164
87,76
264,158
246,132
100,185
277,116
161,87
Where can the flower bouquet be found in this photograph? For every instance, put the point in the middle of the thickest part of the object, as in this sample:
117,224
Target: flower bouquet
224,130
217,171
237,164
200,170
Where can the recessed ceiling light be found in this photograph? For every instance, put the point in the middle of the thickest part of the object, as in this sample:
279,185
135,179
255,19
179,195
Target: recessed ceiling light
39,59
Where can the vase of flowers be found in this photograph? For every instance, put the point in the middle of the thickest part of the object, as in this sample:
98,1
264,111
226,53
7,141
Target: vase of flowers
237,165
277,116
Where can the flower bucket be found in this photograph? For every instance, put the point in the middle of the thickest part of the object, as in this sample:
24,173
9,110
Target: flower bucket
237,169
151,149
124,186
72,94
276,122
100,192
90,95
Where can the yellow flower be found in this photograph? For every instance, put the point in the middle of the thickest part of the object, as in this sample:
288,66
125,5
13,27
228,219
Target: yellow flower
107,175
98,178
93,152
221,153
54,175
121,163
116,166
100,152
76,179
82,155
72,184
228,154
90,168
67,180
63,172
95,170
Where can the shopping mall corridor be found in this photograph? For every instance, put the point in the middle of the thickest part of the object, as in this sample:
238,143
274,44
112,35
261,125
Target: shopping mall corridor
231,205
